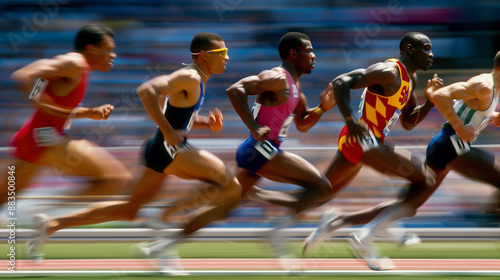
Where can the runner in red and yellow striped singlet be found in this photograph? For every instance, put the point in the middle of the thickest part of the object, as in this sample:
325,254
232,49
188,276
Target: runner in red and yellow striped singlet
388,97
379,113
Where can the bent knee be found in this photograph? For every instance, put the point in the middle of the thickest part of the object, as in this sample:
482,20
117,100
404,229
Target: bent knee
129,214
409,211
412,212
231,189
235,190
325,188
225,210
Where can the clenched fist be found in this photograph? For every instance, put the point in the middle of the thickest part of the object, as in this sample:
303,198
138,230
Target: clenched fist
102,112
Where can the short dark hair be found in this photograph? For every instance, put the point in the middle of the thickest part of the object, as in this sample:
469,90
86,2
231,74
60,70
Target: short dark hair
203,41
496,61
291,40
410,38
91,34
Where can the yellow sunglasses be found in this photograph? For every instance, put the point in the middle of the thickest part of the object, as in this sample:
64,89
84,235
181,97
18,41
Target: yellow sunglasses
221,52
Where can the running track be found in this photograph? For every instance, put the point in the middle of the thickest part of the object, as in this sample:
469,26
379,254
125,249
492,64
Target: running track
492,265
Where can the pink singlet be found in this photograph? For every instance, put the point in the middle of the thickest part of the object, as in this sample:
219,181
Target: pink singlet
278,118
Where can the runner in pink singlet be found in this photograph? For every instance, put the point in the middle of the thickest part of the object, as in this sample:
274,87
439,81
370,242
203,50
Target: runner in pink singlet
279,101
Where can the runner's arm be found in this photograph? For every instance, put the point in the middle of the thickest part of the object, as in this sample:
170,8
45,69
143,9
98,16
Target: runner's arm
444,100
266,81
214,121
378,73
149,93
305,118
50,69
412,114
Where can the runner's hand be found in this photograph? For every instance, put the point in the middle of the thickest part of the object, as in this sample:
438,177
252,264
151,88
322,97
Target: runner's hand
216,120
101,112
261,134
467,133
327,99
433,85
495,119
357,130
175,137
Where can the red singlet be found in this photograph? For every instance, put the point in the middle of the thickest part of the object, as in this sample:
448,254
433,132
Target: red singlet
29,140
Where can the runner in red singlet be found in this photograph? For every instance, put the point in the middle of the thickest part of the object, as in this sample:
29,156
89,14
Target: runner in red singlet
57,87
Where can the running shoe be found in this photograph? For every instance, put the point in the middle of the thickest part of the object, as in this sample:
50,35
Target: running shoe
369,255
40,228
153,249
322,231
278,244
399,235
170,264
409,239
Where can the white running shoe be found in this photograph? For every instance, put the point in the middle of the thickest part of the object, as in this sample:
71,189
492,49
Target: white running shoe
167,261
153,249
40,228
322,231
369,255
287,259
278,244
409,239
170,264
399,235
140,249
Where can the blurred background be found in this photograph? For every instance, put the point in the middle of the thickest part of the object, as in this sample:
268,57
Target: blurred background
153,38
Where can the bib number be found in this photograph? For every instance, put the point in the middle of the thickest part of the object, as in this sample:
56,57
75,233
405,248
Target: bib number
191,122
266,149
392,122
171,150
39,87
45,136
368,141
284,128
69,120
460,146
255,109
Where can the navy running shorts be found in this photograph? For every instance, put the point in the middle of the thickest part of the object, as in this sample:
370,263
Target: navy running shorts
252,154
445,147
158,154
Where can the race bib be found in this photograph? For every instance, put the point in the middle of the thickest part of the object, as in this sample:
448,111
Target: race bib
39,87
368,141
392,122
69,120
174,150
255,109
284,128
45,136
266,149
171,150
460,146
